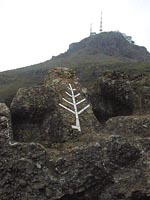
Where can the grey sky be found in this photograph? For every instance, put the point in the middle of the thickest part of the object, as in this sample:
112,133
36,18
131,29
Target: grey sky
34,30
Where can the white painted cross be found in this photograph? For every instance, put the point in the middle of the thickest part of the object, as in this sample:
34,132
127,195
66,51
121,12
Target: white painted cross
74,104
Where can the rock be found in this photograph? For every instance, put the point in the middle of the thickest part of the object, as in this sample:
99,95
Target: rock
18,171
30,109
109,165
4,111
59,79
101,167
119,94
129,126
5,124
84,172
38,117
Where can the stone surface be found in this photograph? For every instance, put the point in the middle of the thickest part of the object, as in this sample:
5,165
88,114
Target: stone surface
37,116
5,124
119,94
112,164
99,167
129,126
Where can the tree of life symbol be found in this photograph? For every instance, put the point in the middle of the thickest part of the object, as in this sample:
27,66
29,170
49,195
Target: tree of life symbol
74,103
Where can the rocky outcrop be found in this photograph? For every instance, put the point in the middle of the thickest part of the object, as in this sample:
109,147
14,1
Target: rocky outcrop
112,164
119,94
111,44
37,115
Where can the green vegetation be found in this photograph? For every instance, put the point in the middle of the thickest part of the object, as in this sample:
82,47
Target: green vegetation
11,81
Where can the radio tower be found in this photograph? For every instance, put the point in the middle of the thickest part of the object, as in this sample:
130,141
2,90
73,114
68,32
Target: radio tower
101,23
90,29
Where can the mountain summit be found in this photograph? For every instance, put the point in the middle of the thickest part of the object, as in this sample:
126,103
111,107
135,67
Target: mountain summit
111,44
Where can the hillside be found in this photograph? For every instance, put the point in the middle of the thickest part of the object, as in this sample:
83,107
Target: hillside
89,57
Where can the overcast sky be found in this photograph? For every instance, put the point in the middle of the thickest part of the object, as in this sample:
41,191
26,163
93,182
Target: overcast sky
32,31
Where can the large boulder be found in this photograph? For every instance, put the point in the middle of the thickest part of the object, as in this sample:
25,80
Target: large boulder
37,115
120,94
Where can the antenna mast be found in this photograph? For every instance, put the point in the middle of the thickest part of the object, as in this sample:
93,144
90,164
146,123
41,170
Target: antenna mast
90,29
101,23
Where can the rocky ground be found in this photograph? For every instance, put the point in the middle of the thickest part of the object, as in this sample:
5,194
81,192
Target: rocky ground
109,163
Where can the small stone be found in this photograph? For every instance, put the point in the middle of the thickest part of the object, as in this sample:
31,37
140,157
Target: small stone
38,166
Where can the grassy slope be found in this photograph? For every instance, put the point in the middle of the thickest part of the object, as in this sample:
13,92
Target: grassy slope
88,72
12,80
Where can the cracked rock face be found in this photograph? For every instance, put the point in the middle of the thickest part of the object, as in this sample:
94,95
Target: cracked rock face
38,117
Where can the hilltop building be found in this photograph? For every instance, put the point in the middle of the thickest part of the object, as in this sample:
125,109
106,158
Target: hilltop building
91,32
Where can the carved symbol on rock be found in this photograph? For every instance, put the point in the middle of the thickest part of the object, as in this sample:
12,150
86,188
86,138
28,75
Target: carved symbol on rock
74,104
